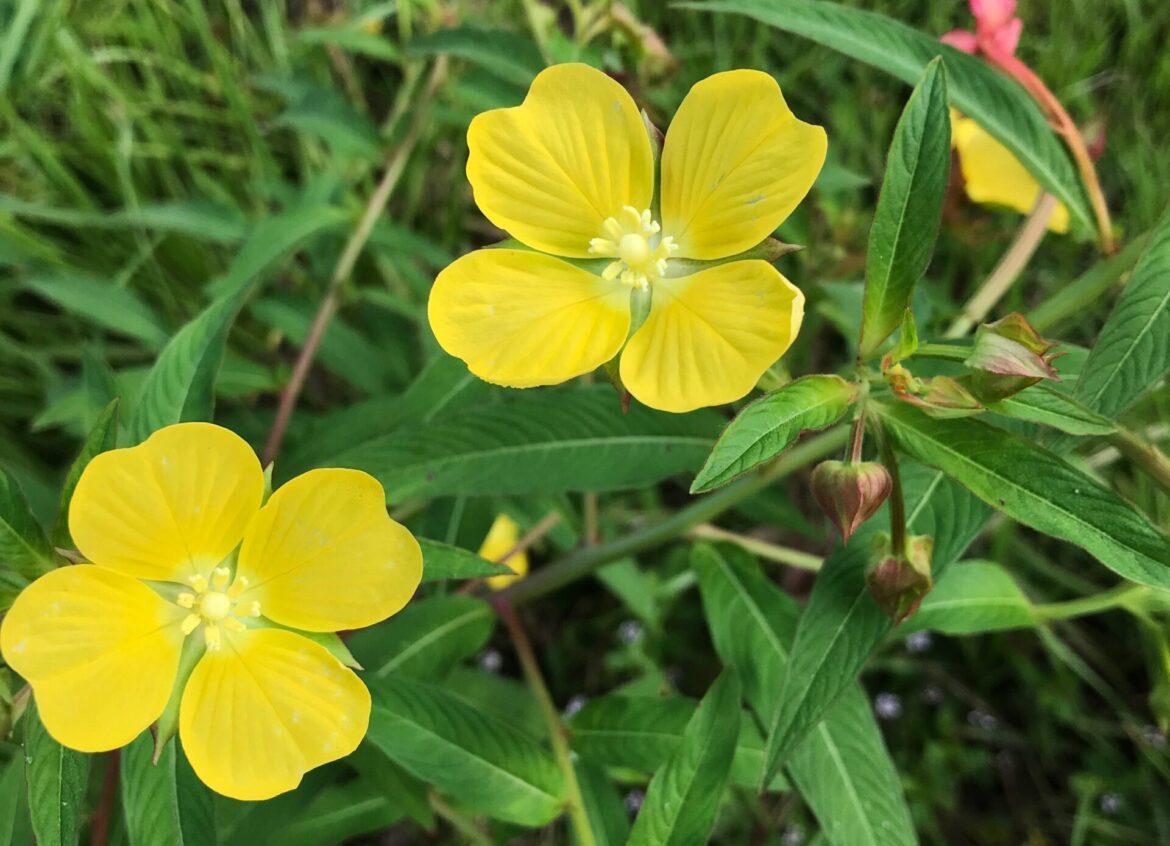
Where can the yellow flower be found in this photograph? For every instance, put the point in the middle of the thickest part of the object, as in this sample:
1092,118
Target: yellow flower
190,571
570,174
993,176
501,538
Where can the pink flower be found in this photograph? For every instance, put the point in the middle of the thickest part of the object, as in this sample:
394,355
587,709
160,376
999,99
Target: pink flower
997,30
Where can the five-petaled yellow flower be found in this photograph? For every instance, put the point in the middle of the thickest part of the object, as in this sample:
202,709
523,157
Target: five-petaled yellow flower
570,174
189,570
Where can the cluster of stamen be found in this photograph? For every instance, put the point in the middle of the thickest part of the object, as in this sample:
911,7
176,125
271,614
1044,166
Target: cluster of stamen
214,604
639,252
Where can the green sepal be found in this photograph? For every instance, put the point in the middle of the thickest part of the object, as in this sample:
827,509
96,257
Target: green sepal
168,721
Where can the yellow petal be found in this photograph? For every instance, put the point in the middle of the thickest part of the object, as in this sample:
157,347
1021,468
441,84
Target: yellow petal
266,708
710,336
993,176
323,555
520,318
501,538
172,507
735,163
551,170
100,650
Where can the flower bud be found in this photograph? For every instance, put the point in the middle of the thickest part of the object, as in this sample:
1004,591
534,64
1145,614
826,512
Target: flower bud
1009,355
899,580
850,493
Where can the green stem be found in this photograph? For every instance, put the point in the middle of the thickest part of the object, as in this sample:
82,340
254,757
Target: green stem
1117,597
1145,456
457,821
586,560
896,500
762,549
552,718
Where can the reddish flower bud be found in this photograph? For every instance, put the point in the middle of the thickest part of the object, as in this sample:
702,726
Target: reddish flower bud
898,580
1009,355
850,493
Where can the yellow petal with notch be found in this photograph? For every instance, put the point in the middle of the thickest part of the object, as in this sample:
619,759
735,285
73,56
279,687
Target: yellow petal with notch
501,539
172,507
735,163
266,708
100,650
551,170
710,336
993,176
521,319
323,555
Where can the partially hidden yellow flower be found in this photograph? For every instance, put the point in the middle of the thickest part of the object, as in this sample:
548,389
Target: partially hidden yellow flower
501,539
190,574
993,176
570,174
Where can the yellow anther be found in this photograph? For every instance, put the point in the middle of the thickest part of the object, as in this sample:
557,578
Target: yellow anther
199,583
238,587
186,600
252,609
234,625
190,623
219,577
211,637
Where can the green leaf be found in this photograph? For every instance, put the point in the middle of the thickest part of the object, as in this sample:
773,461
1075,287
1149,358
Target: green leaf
607,814
164,802
101,437
642,733
395,783
997,103
181,385
507,55
102,303
338,813
14,804
426,638
909,208
1035,487
444,385
1132,353
683,798
1049,407
771,424
973,597
573,439
481,761
24,549
57,779
443,561
842,625
352,41
841,768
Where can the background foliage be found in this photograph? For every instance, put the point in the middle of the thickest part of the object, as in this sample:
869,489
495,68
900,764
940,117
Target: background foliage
178,183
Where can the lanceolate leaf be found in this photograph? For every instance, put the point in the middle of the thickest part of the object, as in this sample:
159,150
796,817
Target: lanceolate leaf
973,597
684,796
1132,352
841,768
443,561
481,761
575,439
642,733
57,779
906,220
997,103
607,813
1037,488
23,545
425,639
770,425
1049,407
842,625
100,438
164,802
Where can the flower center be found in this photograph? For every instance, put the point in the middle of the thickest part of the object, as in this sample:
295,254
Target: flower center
215,603
639,252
